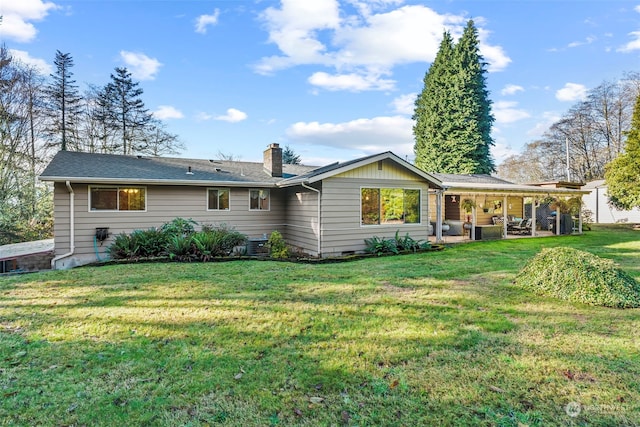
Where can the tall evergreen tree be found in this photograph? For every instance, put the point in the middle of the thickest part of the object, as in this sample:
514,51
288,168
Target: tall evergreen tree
432,108
453,112
63,100
123,110
623,173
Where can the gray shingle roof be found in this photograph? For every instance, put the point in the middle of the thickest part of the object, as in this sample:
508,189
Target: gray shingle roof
451,178
90,167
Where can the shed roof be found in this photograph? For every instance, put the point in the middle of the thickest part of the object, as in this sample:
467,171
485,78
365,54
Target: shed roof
17,250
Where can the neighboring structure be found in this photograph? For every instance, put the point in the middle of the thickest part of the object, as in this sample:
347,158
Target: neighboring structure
26,257
321,211
597,202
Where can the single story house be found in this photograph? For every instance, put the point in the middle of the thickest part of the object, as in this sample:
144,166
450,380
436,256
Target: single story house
597,202
322,211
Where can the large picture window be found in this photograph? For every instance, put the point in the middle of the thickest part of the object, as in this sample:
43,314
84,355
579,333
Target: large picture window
259,200
118,199
390,206
218,199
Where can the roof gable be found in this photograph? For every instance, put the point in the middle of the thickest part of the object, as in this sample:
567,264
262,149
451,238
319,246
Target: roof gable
336,169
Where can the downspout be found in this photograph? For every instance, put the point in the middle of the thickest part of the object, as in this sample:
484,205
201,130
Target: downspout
72,237
319,223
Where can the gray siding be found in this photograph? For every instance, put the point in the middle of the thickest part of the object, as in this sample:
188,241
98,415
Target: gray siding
341,228
164,203
302,219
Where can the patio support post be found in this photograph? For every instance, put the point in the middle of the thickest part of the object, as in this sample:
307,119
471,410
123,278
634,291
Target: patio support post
439,216
580,218
533,217
557,219
473,219
504,216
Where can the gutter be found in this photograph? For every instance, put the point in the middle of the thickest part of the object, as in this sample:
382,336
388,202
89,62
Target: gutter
319,222
72,237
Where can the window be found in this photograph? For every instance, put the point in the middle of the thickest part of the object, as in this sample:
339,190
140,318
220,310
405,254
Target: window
259,200
218,199
117,199
390,206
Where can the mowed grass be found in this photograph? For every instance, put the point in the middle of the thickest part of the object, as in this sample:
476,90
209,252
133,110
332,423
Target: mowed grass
438,338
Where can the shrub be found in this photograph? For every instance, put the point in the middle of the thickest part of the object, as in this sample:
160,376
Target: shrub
277,246
149,243
179,227
123,246
380,246
408,243
179,247
578,276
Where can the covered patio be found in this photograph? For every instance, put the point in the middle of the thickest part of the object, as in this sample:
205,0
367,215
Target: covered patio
481,207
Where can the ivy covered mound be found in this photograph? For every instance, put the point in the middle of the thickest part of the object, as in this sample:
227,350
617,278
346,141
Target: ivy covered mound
578,276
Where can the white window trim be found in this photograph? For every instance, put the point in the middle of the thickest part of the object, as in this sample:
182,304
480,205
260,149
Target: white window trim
404,224
268,190
117,187
218,210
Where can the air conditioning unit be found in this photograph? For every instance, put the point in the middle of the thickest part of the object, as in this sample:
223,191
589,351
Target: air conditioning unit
256,247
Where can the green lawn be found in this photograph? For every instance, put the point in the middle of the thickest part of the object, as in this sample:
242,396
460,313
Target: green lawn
438,338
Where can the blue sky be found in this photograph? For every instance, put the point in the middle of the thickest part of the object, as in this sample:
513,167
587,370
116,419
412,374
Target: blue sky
332,79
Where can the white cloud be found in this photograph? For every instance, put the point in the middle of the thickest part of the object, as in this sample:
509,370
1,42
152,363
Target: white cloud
633,44
351,82
165,112
548,118
16,15
588,40
500,151
367,43
141,66
24,57
232,116
511,89
637,8
506,112
370,136
405,104
572,92
203,21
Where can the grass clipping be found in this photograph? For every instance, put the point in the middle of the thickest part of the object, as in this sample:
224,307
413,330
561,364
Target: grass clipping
577,276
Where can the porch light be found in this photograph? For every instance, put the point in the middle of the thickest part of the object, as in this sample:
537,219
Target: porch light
453,199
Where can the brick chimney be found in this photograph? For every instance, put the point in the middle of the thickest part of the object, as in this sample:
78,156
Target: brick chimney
273,160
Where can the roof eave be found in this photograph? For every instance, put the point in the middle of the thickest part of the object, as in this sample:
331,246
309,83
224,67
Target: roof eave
193,183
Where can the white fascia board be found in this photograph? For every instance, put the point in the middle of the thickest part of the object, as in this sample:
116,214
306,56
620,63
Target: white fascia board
200,183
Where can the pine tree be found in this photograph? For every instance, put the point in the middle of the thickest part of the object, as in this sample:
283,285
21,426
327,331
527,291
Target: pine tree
122,109
622,174
453,112
63,100
289,157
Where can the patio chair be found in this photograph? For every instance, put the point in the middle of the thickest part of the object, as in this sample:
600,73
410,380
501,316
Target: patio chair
523,228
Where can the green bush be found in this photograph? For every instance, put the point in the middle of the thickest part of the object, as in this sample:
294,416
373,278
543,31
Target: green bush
149,243
381,246
277,246
179,248
179,227
408,243
123,247
577,276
